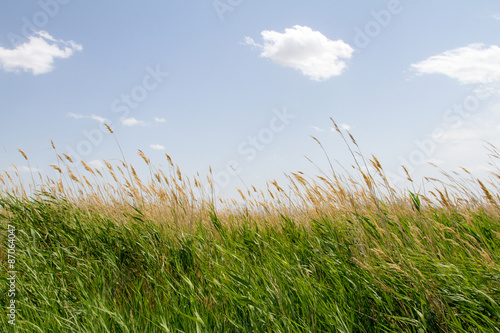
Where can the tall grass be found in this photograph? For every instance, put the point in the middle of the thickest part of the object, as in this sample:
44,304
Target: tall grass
105,251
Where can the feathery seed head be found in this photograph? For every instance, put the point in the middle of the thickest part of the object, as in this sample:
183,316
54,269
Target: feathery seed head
22,153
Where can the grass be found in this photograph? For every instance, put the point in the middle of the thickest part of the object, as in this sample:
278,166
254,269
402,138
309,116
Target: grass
107,252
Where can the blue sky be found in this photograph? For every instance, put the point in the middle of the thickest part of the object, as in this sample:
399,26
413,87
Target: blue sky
246,83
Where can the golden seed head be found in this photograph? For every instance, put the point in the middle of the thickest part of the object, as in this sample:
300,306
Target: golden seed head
109,128
407,174
241,193
72,176
379,166
68,158
335,124
89,169
486,192
144,157
22,153
108,165
315,139
169,159
56,168
352,138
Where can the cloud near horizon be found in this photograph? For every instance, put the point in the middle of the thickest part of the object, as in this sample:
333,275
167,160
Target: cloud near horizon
37,54
306,50
474,63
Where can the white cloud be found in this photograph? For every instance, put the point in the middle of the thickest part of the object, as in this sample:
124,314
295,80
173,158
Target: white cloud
250,41
81,116
37,54
76,116
25,169
160,120
132,122
96,164
98,118
317,129
451,146
344,127
496,16
487,90
461,133
306,50
474,63
157,147
465,144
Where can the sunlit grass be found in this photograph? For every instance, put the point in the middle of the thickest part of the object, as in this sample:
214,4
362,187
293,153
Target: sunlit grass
105,251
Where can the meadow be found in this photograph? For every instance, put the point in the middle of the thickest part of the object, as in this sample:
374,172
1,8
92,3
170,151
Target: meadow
106,251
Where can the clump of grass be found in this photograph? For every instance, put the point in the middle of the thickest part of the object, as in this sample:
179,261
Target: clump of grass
106,251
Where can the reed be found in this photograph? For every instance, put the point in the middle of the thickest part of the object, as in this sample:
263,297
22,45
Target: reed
108,251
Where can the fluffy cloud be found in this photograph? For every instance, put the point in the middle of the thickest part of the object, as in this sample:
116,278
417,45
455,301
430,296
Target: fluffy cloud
474,63
96,164
37,54
306,50
344,127
157,147
132,122
81,116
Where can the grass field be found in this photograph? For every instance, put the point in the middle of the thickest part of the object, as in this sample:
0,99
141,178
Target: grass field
104,251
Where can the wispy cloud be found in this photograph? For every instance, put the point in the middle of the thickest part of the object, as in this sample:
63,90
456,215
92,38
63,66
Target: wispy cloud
132,122
98,118
81,116
464,144
306,50
475,63
342,127
157,147
37,54
496,17
159,120
317,129
25,169
76,116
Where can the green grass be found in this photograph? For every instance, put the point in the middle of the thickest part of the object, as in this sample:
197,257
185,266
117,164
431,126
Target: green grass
329,253
432,270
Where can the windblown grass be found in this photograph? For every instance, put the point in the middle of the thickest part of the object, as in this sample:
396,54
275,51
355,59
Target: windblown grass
104,251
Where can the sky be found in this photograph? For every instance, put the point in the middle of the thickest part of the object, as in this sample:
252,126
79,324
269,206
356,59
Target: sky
241,86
